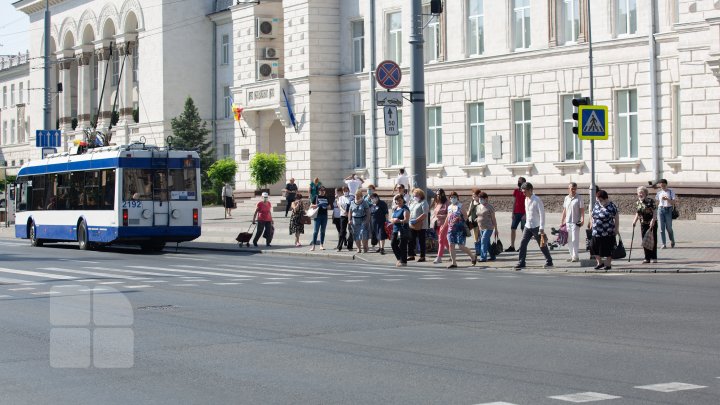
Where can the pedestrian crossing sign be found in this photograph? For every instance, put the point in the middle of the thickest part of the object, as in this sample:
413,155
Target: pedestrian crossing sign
593,122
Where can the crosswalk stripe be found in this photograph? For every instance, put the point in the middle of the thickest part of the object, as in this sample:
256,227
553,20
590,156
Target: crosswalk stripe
583,397
285,268
262,273
343,268
184,257
142,273
138,286
92,273
45,293
184,285
5,296
207,273
8,280
78,261
227,283
21,289
670,387
274,282
37,274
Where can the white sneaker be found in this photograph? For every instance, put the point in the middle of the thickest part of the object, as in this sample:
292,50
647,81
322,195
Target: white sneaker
437,260
575,259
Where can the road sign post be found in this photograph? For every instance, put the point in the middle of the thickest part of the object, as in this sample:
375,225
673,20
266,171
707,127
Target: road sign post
593,122
391,122
388,74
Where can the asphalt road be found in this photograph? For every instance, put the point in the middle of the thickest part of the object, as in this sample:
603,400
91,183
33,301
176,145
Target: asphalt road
232,328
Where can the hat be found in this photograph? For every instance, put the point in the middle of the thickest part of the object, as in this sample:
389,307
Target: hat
264,195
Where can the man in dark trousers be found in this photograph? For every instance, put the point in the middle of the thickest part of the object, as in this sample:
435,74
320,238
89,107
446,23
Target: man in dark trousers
345,228
290,192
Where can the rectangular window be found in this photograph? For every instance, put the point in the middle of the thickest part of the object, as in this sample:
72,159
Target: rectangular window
226,150
434,135
136,63
21,93
225,50
432,35
476,27
521,24
626,17
227,101
28,91
5,133
12,132
677,128
394,35
4,96
183,184
12,95
523,137
627,124
572,146
359,139
395,144
358,45
569,20
476,120
115,67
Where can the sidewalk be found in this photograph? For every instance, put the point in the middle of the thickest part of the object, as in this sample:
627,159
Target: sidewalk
697,248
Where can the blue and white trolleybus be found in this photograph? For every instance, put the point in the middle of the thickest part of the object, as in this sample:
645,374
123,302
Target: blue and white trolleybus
134,194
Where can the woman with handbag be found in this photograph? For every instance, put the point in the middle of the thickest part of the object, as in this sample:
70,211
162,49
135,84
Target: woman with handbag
320,205
265,223
487,224
360,220
439,223
419,210
605,227
297,218
401,232
646,213
457,230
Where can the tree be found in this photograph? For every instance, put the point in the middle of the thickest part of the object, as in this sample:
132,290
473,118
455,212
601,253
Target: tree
266,168
221,172
191,133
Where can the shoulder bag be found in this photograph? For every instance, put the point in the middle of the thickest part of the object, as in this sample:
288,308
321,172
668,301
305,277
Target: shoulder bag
618,251
312,212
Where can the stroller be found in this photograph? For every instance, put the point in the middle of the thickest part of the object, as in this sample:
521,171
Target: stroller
562,237
244,237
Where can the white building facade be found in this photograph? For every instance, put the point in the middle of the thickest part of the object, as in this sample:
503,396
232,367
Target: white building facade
15,109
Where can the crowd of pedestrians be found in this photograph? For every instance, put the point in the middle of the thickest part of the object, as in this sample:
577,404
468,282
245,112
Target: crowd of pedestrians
415,224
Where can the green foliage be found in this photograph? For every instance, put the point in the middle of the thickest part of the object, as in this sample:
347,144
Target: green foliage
221,172
266,168
209,198
191,133
9,179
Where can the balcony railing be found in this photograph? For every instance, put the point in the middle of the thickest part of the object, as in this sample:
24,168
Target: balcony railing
9,61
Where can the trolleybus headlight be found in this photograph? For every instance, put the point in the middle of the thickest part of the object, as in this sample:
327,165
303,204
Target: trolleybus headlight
146,214
125,217
195,216
176,214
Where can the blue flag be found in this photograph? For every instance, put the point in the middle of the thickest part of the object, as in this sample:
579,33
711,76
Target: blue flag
290,113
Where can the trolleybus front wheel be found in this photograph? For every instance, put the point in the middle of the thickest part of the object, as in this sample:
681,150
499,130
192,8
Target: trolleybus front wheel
82,237
34,241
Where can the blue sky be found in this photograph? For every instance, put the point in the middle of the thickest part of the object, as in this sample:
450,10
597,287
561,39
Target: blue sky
13,29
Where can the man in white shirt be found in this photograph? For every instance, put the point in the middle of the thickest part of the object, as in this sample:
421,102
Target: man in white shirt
403,179
573,217
343,202
666,199
353,183
534,227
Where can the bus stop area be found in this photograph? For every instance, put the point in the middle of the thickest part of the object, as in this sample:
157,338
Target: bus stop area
697,248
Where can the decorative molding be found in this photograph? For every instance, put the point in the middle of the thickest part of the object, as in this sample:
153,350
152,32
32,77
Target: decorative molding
361,171
714,63
436,170
478,168
675,164
633,164
390,171
578,166
523,167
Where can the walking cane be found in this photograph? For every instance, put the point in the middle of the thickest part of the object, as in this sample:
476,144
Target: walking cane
632,239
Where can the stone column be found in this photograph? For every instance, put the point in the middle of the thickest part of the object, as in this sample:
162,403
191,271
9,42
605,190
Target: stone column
103,58
85,82
125,87
66,95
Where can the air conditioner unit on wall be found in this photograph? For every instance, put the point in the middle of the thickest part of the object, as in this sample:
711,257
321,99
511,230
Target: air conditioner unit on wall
265,27
270,53
267,69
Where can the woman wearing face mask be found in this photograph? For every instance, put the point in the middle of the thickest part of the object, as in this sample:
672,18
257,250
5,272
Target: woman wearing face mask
439,221
400,219
456,230
379,213
419,211
472,214
360,220
605,227
321,203
263,215
487,224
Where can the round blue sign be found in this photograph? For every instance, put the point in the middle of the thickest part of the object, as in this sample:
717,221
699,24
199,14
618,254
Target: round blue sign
388,74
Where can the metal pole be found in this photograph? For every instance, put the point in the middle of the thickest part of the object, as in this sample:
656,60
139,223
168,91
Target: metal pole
592,101
653,97
373,108
417,89
47,124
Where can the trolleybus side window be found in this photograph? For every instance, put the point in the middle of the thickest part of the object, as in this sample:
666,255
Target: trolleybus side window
137,184
107,184
183,184
91,190
22,195
38,193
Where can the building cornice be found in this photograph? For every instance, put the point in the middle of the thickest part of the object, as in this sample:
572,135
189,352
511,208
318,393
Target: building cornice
33,6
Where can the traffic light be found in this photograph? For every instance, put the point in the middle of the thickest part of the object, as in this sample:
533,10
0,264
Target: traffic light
577,102
436,7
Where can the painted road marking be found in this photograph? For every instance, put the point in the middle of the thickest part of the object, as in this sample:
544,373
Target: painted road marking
393,279
583,397
5,296
205,273
7,280
45,293
352,281
144,273
670,387
38,274
227,283
111,282
431,278
156,281
496,403
93,289
233,273
78,261
21,289
139,286
184,285
92,273
274,282
311,281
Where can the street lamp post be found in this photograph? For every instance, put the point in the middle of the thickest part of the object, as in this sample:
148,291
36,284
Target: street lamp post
417,89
